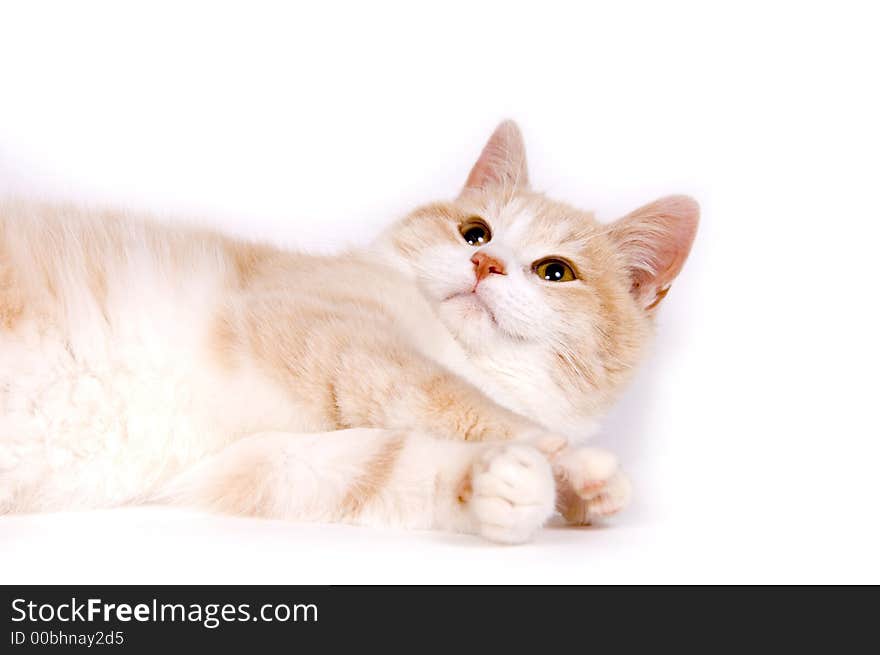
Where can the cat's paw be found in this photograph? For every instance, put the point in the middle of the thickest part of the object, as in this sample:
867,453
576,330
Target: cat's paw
590,485
513,492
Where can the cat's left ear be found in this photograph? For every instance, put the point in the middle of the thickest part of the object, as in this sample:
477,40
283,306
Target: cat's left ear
502,162
654,241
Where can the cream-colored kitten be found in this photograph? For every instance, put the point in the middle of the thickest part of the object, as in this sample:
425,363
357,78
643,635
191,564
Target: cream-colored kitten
439,379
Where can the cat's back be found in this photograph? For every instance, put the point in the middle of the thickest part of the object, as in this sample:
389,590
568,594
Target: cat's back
64,267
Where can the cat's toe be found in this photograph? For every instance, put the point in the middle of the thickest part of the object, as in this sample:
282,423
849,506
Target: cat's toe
591,485
613,497
586,470
513,493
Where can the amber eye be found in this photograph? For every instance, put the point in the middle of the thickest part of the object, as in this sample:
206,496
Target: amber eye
554,270
475,231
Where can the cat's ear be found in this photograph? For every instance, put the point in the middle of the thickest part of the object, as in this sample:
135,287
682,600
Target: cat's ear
654,241
502,162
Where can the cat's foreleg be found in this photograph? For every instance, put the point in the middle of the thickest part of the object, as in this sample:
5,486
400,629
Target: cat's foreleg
431,399
415,393
504,492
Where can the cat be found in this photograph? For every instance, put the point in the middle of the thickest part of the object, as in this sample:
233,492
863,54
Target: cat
441,378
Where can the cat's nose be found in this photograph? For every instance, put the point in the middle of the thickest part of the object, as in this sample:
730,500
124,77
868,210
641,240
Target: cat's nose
485,264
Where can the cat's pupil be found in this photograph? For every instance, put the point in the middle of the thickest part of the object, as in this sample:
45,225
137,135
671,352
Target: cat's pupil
554,272
475,236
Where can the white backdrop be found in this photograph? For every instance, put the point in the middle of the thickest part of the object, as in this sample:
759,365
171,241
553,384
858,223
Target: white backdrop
752,433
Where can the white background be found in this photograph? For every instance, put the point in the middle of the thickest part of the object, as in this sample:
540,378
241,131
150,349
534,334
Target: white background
752,433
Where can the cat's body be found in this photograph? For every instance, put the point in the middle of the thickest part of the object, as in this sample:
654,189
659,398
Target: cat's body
147,363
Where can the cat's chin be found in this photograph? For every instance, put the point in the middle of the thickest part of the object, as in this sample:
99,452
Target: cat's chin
473,321
470,306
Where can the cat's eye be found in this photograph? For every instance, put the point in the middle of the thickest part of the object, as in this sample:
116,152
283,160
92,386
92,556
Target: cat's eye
475,231
554,270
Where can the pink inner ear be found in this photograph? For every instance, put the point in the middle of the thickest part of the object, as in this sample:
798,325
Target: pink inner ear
655,240
502,162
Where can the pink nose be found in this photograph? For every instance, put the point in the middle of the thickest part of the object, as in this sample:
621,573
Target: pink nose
485,265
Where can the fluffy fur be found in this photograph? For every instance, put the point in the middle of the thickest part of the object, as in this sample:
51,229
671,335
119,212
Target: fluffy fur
402,384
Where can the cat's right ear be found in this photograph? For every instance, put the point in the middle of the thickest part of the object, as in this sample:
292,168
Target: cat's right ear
502,162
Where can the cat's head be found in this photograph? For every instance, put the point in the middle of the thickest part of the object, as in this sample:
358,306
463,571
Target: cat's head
550,304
